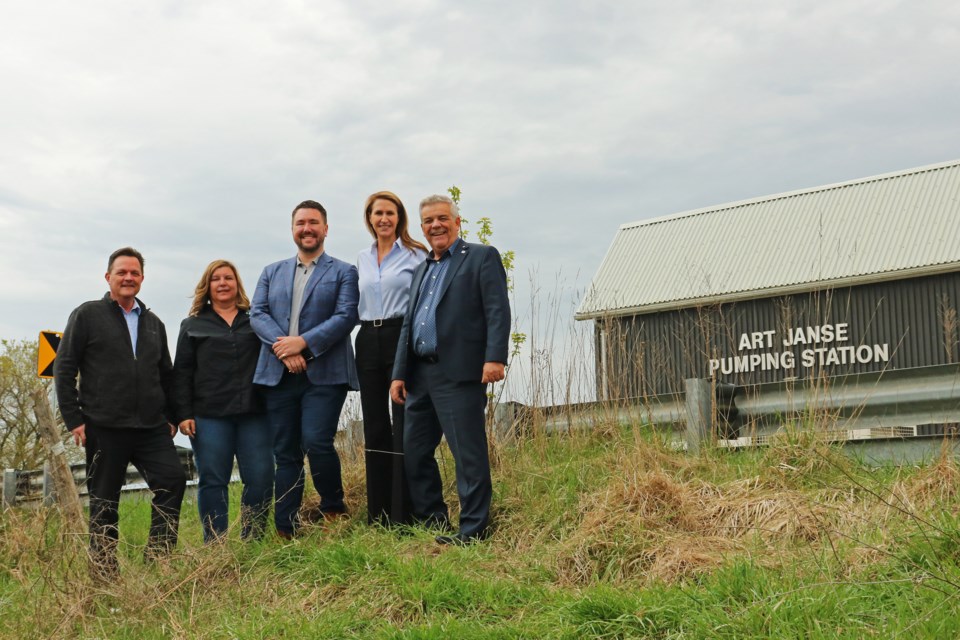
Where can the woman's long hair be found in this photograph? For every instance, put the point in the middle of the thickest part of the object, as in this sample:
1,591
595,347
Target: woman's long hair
402,232
201,295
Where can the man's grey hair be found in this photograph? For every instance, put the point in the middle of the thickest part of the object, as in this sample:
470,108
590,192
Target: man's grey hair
437,199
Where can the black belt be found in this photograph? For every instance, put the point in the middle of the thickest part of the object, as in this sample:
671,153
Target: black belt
383,322
428,359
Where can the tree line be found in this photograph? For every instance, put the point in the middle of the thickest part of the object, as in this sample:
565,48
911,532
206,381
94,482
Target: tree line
20,444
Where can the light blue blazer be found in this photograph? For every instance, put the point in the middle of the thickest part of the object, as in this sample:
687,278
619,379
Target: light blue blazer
328,314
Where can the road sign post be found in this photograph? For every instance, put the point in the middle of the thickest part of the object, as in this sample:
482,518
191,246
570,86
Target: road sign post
65,488
57,465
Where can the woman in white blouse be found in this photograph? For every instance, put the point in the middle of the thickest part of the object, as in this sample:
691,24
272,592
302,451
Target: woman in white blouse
386,270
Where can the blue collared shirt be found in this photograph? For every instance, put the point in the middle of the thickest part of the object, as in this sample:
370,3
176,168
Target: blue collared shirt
385,287
425,316
133,323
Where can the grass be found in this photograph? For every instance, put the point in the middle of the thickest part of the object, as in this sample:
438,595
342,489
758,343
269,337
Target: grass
608,534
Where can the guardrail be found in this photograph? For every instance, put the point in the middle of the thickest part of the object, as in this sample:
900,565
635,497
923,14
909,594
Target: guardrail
35,487
896,405
891,405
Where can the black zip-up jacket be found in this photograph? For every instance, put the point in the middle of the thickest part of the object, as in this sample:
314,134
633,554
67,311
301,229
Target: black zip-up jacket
213,370
117,388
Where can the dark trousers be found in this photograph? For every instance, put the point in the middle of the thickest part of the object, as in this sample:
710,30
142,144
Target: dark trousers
246,436
435,407
388,498
304,418
151,451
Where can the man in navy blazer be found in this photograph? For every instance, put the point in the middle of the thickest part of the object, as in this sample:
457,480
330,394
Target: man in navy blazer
454,341
303,311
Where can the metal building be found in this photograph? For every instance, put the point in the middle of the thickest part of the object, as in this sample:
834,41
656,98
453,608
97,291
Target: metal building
855,277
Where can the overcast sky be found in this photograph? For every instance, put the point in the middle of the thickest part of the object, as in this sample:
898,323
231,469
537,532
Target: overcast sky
190,129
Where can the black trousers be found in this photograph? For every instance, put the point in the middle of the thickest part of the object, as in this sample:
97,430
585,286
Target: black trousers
151,451
388,498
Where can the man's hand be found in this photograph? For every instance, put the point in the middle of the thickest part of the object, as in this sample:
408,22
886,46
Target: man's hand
287,346
188,427
493,372
295,364
398,391
79,435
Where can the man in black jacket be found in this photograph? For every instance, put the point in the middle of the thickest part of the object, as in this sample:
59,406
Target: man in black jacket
119,412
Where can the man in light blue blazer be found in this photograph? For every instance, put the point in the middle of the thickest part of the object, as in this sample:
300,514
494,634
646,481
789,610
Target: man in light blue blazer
303,311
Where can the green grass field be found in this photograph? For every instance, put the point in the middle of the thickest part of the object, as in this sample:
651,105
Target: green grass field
603,535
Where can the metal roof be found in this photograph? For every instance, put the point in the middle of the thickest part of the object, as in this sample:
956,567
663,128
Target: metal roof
893,225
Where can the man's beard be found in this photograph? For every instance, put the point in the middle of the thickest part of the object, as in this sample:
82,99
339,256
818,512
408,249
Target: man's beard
299,243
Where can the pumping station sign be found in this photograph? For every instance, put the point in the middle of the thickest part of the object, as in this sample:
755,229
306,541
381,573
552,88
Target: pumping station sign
803,347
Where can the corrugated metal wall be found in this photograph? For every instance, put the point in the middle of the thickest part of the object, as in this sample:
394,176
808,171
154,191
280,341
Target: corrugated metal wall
652,354
862,229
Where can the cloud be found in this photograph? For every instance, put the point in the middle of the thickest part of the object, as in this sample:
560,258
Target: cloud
191,129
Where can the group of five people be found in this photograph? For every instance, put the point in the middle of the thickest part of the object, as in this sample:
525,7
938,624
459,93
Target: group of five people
264,381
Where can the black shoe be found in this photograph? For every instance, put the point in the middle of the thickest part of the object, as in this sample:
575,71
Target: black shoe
104,573
453,541
437,523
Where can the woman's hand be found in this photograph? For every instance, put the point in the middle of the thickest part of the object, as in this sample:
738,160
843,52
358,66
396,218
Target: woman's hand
188,427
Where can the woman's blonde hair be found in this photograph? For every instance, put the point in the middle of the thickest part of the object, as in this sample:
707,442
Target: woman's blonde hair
201,295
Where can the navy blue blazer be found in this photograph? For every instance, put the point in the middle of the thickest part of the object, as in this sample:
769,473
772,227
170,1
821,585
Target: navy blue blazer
328,313
473,315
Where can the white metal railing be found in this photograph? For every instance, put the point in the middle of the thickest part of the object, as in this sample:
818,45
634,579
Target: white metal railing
890,405
33,487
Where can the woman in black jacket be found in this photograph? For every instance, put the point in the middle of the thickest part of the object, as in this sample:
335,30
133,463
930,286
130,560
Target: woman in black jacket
218,405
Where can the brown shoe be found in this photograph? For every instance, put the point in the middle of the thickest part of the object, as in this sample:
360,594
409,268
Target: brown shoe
284,535
333,516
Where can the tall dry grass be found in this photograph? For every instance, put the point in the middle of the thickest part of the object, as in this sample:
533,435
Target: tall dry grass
574,511
607,532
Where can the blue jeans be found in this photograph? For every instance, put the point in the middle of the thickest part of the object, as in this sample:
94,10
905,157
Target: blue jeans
248,437
304,418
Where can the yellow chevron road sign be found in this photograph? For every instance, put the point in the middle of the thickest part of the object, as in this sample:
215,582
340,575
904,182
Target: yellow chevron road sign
47,353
